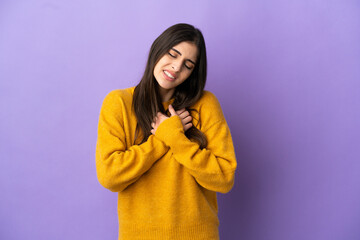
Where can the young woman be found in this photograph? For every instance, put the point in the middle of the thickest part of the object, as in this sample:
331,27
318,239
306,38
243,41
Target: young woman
165,146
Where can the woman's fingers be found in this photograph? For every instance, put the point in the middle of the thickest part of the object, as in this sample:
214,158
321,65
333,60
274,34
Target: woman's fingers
184,116
187,123
187,126
187,119
172,110
179,112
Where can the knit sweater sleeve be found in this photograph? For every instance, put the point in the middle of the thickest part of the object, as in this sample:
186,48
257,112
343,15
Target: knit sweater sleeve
214,166
117,165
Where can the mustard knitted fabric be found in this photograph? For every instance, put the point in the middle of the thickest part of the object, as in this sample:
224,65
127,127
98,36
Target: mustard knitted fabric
167,185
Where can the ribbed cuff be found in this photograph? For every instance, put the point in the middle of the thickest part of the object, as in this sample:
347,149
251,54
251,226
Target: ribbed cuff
169,130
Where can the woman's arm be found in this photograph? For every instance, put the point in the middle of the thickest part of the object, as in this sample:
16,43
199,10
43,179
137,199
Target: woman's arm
117,166
212,167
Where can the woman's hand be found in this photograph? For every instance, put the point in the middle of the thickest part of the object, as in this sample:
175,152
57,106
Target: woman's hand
185,118
183,114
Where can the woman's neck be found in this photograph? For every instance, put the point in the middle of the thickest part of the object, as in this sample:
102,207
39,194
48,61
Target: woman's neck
166,94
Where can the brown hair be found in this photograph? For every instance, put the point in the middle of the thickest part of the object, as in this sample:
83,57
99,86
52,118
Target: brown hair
147,100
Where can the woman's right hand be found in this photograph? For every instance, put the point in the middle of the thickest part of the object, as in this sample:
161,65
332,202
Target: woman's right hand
185,118
182,113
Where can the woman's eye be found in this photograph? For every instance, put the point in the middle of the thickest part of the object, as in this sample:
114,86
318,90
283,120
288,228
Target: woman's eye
188,67
171,54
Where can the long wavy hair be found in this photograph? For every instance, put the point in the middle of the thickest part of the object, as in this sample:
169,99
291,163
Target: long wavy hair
147,100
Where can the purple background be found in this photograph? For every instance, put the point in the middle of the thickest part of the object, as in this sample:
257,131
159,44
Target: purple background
287,74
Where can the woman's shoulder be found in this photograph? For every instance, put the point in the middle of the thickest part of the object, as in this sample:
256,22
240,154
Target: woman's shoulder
209,110
118,98
208,99
125,94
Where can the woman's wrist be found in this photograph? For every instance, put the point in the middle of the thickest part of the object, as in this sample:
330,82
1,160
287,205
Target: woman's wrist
169,130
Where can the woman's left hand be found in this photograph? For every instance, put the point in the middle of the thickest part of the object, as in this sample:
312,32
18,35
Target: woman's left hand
183,114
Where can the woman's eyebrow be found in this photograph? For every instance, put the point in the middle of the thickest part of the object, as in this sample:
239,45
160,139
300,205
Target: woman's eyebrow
181,55
191,61
176,51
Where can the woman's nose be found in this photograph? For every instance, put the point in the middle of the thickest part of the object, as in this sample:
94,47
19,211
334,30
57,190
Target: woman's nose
176,65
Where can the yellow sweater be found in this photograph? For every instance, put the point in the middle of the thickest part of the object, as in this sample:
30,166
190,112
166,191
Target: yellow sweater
167,185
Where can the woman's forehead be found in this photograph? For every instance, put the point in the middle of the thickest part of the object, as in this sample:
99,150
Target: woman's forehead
186,49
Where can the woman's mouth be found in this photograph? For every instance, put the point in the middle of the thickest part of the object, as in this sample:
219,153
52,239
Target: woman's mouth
169,75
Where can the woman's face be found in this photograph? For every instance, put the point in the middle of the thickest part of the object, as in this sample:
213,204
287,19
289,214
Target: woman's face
175,66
